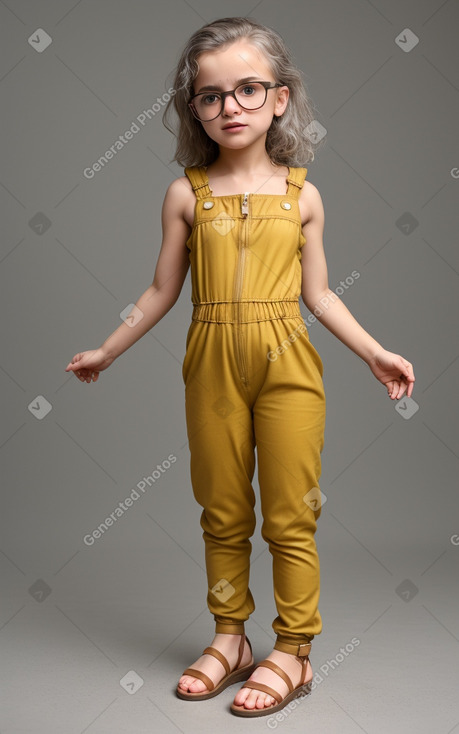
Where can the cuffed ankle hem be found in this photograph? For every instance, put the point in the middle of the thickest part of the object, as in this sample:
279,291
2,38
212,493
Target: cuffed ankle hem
232,628
293,647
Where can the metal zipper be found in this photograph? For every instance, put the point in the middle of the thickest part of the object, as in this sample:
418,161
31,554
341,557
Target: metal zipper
239,283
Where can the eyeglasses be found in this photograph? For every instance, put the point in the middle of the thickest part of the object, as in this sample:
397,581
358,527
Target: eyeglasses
206,106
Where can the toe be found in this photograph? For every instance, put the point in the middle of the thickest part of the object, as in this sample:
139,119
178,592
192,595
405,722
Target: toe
197,686
252,699
241,696
193,685
263,700
248,698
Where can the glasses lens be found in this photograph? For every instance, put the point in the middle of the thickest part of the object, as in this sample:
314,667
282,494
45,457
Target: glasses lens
207,105
250,96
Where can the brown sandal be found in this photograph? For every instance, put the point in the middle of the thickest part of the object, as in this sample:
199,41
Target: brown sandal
231,677
302,690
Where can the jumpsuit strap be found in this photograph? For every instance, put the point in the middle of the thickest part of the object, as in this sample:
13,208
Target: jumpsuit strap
199,181
295,181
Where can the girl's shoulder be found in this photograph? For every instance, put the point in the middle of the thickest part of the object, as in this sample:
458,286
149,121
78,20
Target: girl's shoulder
180,200
310,202
179,188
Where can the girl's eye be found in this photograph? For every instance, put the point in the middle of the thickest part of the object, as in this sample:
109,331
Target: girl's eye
210,98
249,86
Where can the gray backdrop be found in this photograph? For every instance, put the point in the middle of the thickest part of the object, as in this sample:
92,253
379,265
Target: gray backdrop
93,638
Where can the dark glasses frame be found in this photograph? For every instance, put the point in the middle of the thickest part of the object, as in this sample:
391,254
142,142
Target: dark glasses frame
232,93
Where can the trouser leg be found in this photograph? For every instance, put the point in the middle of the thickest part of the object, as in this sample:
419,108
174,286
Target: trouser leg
222,463
289,422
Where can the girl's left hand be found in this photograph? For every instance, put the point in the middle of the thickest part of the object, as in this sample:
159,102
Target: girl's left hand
395,372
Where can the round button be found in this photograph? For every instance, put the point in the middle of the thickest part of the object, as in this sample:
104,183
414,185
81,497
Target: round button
286,205
208,204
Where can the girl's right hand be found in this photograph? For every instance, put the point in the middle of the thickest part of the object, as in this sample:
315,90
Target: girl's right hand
87,365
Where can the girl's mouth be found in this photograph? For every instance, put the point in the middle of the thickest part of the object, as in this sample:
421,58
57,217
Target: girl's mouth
234,126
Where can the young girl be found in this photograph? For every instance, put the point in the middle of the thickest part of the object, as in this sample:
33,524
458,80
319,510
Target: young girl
251,227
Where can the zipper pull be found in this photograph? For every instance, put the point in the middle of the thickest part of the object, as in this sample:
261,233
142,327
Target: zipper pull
245,203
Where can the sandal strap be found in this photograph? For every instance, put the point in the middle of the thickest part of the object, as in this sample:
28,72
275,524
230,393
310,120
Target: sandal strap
301,650
210,685
265,689
241,651
220,657
279,671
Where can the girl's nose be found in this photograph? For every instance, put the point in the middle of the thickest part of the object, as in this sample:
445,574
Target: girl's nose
231,105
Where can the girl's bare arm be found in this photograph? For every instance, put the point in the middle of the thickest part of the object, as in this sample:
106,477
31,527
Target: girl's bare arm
171,269
315,291
391,369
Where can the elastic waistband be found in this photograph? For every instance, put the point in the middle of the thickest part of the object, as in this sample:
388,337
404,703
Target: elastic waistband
244,312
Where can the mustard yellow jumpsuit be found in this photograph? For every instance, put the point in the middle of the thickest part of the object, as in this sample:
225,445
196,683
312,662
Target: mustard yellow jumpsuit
253,379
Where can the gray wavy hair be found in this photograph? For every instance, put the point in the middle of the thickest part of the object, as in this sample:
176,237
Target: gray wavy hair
286,141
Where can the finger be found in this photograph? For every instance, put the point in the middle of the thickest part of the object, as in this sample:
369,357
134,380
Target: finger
80,374
400,392
407,384
396,389
408,371
407,380
75,364
411,380
400,386
85,372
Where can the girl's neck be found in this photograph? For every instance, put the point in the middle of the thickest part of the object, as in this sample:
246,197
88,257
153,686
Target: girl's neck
244,163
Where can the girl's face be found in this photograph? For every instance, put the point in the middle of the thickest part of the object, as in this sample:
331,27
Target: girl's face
224,70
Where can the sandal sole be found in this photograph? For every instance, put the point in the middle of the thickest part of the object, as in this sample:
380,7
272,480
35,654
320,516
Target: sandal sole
301,691
235,677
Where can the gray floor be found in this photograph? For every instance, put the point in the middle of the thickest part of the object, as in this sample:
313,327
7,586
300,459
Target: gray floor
142,615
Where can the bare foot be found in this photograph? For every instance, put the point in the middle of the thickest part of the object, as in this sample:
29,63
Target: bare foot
251,698
228,645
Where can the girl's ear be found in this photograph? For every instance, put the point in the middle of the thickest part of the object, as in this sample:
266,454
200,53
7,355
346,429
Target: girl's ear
281,101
